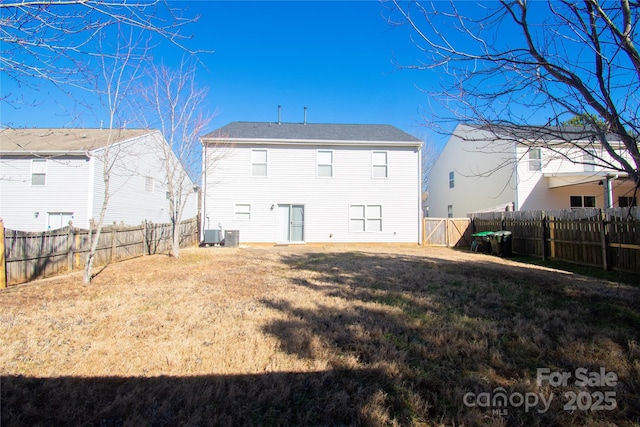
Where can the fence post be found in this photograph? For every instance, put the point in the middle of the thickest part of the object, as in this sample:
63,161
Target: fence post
3,266
114,240
145,250
71,240
543,223
552,236
603,239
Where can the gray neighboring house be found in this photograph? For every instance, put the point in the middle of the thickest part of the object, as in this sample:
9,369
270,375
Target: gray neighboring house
302,182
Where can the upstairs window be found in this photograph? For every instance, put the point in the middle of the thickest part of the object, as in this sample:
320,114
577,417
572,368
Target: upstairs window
535,159
148,184
325,163
451,179
449,211
258,162
379,164
588,159
38,172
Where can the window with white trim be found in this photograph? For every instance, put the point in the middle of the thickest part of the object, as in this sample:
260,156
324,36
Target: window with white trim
535,159
451,179
365,218
325,163
627,201
449,211
57,220
242,211
379,164
582,201
259,162
148,184
38,171
588,158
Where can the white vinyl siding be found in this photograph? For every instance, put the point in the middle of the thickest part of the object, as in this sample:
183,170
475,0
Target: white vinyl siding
379,164
293,180
242,211
76,184
365,218
325,164
259,163
38,172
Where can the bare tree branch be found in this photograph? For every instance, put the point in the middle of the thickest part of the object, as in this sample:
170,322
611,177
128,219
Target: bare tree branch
504,62
53,41
173,103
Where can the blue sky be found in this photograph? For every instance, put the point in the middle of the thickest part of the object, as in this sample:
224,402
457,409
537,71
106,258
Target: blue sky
334,57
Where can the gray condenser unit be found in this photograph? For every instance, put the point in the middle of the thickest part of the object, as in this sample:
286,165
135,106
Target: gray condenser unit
232,238
212,237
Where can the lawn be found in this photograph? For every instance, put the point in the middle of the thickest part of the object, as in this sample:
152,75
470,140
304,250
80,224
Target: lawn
321,335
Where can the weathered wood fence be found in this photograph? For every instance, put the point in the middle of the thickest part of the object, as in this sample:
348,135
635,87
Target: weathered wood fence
31,255
608,238
454,232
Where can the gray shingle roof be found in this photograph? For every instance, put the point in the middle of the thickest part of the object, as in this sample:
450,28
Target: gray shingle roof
314,132
542,134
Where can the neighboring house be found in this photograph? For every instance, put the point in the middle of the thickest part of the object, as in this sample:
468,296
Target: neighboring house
49,177
526,168
295,183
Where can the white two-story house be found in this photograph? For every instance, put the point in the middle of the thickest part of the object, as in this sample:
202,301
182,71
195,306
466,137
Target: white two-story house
484,169
49,177
297,182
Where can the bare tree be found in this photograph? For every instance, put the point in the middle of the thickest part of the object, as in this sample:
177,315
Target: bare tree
429,156
118,73
505,62
55,40
174,104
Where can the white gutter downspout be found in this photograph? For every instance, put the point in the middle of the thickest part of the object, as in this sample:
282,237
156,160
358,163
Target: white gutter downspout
608,190
420,211
203,213
90,195
516,201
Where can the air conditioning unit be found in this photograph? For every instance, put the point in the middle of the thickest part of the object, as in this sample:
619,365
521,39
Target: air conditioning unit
212,237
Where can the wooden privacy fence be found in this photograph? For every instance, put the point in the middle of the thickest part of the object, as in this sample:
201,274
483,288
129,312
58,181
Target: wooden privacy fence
30,255
607,238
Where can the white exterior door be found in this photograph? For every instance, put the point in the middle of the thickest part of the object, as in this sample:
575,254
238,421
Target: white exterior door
290,223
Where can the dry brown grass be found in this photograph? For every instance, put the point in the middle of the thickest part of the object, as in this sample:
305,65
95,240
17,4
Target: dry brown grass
312,335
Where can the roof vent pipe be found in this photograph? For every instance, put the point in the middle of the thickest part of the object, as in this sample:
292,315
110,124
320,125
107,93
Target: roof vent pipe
279,113
305,116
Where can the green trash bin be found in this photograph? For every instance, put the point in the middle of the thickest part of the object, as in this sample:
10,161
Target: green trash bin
481,242
501,243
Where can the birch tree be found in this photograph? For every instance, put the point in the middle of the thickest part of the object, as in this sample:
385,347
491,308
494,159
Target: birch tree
117,75
502,63
176,105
